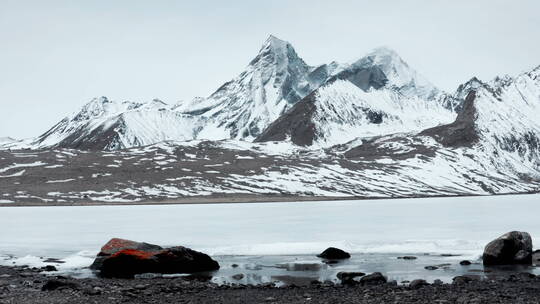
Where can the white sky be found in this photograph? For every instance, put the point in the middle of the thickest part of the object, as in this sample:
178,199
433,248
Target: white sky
57,55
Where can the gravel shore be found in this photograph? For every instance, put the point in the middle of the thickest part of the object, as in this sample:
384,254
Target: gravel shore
23,285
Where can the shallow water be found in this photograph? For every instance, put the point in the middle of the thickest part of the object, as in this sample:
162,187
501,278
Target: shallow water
262,237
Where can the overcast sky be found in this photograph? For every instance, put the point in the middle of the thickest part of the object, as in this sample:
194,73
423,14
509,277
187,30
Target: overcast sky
57,55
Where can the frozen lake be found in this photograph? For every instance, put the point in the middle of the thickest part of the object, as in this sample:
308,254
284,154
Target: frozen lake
375,231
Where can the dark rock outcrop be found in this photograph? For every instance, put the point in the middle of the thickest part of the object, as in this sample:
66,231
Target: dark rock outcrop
460,133
514,247
418,283
347,278
333,253
375,278
464,279
124,259
54,284
296,123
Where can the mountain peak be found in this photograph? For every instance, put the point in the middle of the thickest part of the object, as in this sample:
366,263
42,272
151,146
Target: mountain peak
276,50
275,42
399,73
385,51
100,100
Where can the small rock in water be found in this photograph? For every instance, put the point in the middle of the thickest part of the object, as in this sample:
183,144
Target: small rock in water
418,284
437,282
465,263
234,265
407,257
49,268
53,260
431,267
375,278
238,276
333,253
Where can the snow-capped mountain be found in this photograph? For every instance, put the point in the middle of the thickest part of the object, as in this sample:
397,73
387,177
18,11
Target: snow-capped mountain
377,95
381,84
272,83
491,147
109,125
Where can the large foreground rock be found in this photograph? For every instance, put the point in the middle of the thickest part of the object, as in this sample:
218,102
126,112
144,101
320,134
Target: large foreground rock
124,258
514,247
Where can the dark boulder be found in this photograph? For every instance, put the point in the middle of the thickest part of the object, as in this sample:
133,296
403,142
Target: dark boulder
115,245
415,284
48,268
464,279
347,278
54,284
375,278
137,258
465,263
332,253
514,247
536,257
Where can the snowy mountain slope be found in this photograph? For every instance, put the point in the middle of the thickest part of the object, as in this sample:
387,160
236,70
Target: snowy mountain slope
274,81
241,108
389,166
499,125
110,125
508,115
362,101
400,76
7,140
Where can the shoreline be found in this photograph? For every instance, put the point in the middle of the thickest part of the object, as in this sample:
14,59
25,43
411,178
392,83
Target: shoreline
29,285
240,199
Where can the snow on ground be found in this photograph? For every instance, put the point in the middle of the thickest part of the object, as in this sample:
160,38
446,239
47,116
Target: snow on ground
23,165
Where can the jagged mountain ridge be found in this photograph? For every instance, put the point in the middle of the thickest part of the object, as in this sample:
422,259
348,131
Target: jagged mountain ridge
103,124
274,81
492,147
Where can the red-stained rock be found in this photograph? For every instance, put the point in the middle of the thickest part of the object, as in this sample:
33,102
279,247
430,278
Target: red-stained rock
124,259
115,245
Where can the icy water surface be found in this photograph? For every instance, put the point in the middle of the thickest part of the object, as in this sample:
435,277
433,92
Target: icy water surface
278,241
